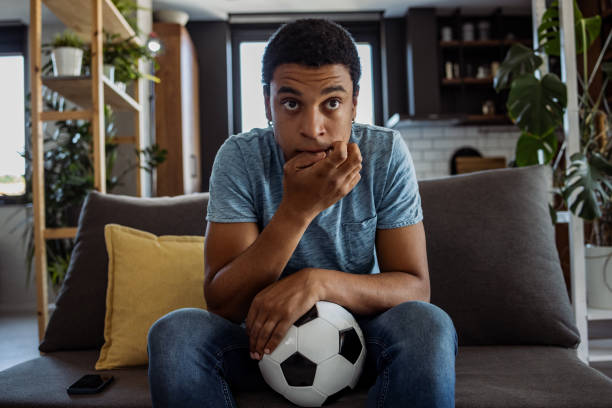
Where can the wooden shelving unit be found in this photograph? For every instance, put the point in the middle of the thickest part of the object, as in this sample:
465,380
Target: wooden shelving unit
78,91
89,19
467,81
461,91
483,43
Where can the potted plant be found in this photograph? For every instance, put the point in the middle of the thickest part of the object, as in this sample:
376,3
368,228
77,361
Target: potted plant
120,59
537,106
66,54
124,55
69,176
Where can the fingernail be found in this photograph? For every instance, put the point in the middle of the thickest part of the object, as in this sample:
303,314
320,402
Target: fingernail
267,351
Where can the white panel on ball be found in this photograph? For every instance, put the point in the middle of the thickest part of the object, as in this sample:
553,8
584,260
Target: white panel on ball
286,347
332,374
318,340
305,396
338,316
358,368
273,375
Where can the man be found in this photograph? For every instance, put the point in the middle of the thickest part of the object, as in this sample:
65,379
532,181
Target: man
315,207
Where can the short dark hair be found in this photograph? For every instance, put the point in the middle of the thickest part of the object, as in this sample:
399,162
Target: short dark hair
314,43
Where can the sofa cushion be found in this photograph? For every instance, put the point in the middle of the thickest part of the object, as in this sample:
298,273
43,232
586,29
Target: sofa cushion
493,263
78,320
487,377
148,277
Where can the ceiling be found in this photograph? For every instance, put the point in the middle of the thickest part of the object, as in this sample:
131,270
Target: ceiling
221,9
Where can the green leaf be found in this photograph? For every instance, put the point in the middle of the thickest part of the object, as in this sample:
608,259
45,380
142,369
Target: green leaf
536,106
528,145
550,35
587,185
520,60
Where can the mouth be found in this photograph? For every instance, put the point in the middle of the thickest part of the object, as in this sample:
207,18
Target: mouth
326,150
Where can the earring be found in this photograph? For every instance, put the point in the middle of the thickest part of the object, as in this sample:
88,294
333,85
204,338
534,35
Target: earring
353,120
270,123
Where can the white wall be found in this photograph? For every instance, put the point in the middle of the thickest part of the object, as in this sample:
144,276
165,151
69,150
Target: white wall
432,147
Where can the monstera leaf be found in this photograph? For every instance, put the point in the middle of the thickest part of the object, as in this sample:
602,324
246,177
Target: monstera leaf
536,106
588,184
528,145
520,60
549,30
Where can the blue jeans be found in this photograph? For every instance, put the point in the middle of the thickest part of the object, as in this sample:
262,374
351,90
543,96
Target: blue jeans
196,358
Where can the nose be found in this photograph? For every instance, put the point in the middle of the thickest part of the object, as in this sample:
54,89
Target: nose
312,124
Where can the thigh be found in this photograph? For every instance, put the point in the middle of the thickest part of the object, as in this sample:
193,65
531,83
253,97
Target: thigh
412,325
213,341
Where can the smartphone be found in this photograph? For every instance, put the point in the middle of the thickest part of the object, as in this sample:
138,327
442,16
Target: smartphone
90,384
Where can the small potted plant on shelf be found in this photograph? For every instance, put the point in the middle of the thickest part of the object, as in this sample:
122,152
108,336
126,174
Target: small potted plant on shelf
66,54
120,59
537,107
124,55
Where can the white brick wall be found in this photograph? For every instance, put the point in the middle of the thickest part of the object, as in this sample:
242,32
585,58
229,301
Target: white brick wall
432,147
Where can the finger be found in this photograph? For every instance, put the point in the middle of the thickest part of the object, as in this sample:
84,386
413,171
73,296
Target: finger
352,181
254,334
263,337
279,333
338,154
304,159
353,160
251,316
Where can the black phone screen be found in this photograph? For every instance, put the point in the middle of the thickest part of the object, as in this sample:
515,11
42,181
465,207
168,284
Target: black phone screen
89,384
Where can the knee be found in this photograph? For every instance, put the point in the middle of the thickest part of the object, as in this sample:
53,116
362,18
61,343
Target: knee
432,325
169,330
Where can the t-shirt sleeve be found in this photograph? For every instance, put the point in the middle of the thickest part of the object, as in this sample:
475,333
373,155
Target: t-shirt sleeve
400,204
231,198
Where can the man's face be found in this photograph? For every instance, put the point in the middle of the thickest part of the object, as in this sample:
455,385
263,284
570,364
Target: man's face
311,107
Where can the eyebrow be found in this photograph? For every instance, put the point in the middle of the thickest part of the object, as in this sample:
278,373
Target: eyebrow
328,90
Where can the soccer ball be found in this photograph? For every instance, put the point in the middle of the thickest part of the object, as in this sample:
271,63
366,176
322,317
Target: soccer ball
321,355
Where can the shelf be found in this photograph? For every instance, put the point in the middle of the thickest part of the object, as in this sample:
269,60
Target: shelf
599,314
467,81
78,18
78,90
600,350
487,119
483,43
60,233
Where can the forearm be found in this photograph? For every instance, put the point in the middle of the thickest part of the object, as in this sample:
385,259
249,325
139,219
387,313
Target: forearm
234,286
371,294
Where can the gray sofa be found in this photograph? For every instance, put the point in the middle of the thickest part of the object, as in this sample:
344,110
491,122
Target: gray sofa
493,267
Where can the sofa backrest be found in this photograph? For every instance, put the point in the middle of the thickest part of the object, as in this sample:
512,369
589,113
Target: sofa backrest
493,261
78,320
490,243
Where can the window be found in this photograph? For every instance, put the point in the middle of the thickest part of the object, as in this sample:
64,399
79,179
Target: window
12,164
248,43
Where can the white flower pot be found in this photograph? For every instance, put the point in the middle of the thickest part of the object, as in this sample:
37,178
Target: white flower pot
109,72
599,276
67,61
122,86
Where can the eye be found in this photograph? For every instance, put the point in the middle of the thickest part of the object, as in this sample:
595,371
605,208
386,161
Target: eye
290,104
332,104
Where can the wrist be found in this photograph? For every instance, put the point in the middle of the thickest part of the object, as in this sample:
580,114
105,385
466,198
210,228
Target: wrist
293,215
315,282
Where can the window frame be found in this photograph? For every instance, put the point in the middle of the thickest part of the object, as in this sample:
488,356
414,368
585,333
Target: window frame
362,31
14,42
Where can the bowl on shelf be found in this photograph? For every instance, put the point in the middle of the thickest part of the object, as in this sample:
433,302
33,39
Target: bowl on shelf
172,16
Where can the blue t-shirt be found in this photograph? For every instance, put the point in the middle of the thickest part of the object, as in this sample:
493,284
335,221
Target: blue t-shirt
246,185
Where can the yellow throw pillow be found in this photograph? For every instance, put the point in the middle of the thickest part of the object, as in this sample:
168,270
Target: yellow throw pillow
148,277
